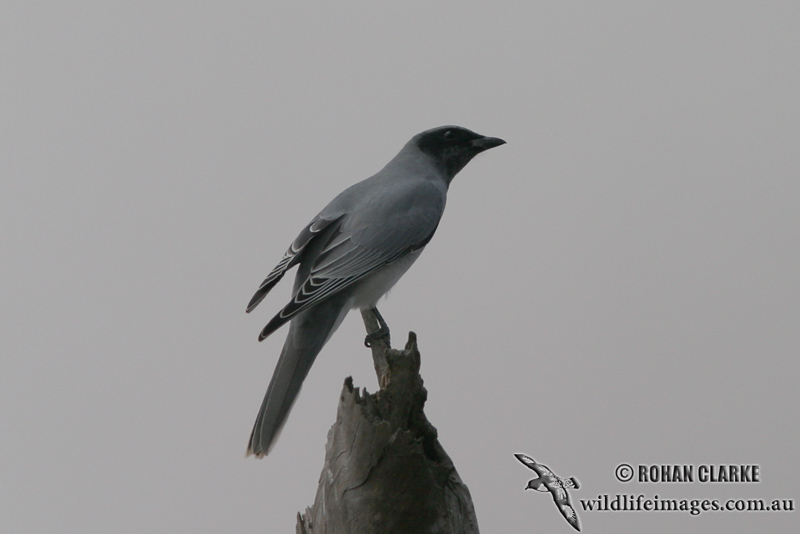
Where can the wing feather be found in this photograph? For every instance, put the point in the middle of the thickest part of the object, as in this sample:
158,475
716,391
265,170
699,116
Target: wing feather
361,243
290,259
570,515
544,471
526,460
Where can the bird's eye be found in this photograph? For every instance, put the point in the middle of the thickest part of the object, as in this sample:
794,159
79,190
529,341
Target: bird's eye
449,135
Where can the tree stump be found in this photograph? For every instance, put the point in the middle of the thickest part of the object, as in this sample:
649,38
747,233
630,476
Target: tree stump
385,470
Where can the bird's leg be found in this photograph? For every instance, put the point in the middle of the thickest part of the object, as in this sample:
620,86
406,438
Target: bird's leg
380,333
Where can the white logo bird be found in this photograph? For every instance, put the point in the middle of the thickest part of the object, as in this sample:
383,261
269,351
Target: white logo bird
557,486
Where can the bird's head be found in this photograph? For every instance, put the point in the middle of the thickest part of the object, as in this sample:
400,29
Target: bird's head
535,484
452,147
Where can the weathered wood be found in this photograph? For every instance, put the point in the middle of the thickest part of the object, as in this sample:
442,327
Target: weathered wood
385,470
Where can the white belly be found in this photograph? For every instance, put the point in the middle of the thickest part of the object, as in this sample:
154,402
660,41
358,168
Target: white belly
376,285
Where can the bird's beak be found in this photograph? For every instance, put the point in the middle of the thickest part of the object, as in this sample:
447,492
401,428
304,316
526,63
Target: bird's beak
485,143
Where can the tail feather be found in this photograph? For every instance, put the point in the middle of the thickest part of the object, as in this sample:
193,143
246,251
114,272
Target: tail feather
283,389
308,333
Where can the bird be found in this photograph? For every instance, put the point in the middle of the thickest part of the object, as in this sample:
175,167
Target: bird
557,486
352,253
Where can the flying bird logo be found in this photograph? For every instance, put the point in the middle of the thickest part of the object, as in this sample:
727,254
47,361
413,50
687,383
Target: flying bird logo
557,486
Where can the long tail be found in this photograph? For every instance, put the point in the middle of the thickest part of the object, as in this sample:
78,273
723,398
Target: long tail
308,333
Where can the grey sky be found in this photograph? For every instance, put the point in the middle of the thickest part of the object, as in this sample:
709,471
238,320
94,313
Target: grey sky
617,284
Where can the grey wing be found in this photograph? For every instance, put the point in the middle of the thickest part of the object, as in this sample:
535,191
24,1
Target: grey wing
559,493
358,247
290,258
570,515
564,505
545,473
526,460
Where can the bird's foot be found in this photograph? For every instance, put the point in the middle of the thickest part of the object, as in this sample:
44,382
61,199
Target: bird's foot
380,333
